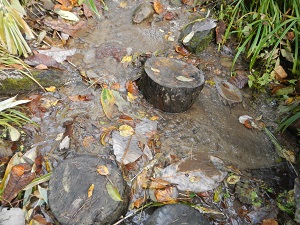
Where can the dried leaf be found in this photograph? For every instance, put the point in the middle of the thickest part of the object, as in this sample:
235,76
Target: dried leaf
64,26
90,191
20,176
126,59
51,89
220,30
168,194
269,222
169,16
132,88
105,132
39,58
13,133
103,170
280,73
239,81
80,98
65,143
139,202
41,67
233,179
126,149
131,97
113,192
67,15
184,79
87,141
108,101
126,130
158,183
58,54
158,7
181,50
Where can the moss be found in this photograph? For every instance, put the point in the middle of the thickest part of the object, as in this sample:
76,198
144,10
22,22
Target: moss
199,41
15,84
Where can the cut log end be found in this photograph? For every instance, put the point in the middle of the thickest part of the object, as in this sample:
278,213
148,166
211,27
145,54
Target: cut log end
171,85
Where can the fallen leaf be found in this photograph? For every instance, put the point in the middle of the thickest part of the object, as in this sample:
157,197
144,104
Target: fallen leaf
39,58
90,191
188,2
87,141
14,134
184,79
280,73
155,70
66,15
158,183
158,7
113,192
20,176
132,88
41,67
80,98
126,59
64,26
131,97
139,202
181,50
233,179
105,133
153,118
168,194
51,89
220,30
169,16
126,130
58,54
108,101
269,222
65,143
103,170
126,149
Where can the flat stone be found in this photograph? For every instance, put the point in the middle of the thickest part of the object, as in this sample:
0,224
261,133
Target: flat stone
177,214
68,192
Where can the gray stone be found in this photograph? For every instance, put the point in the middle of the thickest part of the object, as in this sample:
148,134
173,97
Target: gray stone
177,214
142,12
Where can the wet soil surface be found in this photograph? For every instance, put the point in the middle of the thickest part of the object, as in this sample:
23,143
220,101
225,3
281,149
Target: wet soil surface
211,126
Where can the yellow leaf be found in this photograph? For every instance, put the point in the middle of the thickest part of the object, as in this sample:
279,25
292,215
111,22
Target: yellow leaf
123,4
131,97
51,89
126,59
126,130
107,102
90,191
103,170
154,118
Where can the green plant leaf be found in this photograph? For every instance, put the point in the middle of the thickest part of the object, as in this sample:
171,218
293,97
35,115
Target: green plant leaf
113,192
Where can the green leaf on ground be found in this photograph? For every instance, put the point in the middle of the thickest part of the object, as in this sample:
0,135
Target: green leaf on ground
113,192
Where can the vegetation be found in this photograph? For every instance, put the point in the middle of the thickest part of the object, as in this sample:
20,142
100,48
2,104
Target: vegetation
268,35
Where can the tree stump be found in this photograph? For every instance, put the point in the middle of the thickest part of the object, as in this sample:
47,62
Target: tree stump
171,85
69,199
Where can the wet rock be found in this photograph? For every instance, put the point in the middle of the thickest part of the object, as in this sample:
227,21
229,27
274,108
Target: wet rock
263,213
68,192
198,173
9,216
14,83
171,85
142,12
197,35
176,214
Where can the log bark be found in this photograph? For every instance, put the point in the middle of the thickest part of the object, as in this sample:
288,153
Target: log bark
171,85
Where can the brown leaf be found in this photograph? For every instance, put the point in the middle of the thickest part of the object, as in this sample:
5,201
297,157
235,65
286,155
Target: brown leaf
181,50
168,194
20,176
38,164
64,25
35,106
158,7
290,35
103,170
269,222
38,59
65,5
132,88
158,183
40,218
80,98
220,30
87,141
169,16
188,2
41,67
139,202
